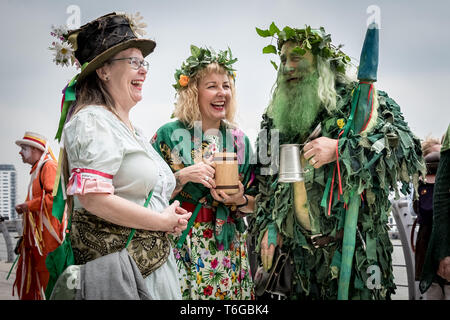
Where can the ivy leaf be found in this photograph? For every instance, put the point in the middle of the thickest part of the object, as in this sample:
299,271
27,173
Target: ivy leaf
298,50
191,60
326,53
231,61
289,32
273,29
270,49
263,33
307,31
195,51
177,75
340,68
274,64
308,45
229,52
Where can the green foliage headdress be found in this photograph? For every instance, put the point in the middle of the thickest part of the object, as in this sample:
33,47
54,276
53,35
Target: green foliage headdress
200,58
315,40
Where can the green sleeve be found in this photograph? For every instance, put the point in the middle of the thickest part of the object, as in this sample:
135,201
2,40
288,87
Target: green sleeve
439,245
446,141
167,143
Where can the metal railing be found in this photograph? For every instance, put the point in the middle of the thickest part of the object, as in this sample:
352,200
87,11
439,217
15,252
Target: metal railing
401,211
7,226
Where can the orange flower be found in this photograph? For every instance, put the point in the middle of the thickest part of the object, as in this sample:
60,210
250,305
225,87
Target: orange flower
184,80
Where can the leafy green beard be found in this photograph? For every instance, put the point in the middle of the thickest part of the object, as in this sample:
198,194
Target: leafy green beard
295,106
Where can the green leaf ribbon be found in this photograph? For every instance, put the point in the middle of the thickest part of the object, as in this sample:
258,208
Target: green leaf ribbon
69,97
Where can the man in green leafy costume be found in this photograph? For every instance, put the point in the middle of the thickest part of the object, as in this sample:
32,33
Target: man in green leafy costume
334,222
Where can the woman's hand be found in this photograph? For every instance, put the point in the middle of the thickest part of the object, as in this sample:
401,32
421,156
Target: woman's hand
177,218
202,172
236,199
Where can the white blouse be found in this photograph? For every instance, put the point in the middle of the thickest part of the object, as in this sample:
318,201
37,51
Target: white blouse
106,157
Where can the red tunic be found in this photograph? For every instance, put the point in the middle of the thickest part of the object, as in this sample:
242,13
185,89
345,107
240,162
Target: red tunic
42,233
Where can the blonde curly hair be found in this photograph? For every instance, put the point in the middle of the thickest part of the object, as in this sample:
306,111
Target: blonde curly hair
187,108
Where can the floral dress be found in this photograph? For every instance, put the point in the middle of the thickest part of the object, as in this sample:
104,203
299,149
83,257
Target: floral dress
213,259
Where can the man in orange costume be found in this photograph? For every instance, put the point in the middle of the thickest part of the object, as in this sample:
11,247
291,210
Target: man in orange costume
42,233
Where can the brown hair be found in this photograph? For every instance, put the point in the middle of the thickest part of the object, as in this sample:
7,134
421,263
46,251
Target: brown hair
186,107
90,91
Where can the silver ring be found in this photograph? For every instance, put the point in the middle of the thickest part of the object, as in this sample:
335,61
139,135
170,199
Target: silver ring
206,178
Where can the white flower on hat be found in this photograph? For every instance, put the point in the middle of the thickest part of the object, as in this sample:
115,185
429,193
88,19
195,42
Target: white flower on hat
63,53
136,24
59,32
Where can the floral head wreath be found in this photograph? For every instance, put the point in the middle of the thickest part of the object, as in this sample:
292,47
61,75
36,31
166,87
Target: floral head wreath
199,59
315,40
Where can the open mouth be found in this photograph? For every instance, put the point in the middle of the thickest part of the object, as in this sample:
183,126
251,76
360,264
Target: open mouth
220,105
137,84
293,79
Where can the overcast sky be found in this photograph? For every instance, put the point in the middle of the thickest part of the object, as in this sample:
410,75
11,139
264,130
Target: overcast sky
413,69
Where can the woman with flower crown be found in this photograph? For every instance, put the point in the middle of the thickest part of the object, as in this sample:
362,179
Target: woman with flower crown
113,169
211,253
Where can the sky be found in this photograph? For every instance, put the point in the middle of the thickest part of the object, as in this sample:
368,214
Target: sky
413,63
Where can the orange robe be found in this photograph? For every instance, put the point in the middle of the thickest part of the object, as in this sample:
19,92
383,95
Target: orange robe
42,233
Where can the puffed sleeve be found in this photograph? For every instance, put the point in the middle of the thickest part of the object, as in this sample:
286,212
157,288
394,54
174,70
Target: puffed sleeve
94,150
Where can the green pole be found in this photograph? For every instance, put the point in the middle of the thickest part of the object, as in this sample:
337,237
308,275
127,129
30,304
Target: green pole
348,246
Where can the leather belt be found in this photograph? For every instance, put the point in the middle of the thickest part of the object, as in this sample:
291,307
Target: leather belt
320,241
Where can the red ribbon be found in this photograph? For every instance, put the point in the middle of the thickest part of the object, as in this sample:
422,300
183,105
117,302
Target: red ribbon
371,107
334,174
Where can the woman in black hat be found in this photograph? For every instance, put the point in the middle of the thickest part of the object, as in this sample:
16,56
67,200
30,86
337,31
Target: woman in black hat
111,165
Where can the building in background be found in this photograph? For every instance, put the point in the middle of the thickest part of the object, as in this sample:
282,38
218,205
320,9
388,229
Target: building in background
8,181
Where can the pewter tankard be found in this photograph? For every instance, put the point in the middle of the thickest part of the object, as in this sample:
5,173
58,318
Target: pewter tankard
290,166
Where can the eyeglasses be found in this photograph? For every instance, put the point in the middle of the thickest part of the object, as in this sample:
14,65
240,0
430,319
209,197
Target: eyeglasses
135,63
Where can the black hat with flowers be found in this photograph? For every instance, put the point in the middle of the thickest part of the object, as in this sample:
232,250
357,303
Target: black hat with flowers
93,44
96,42
99,40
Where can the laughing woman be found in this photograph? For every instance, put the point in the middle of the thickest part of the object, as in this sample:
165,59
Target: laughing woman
212,255
105,155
